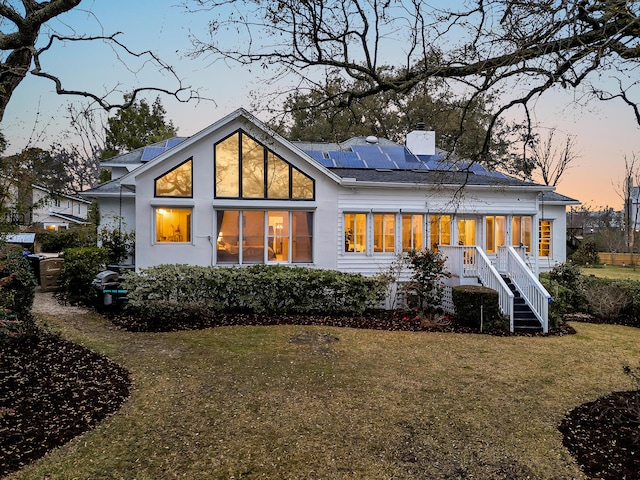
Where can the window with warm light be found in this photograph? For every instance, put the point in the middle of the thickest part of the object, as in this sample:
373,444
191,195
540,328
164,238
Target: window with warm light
264,236
544,245
496,232
384,230
521,231
177,182
173,225
244,168
412,232
355,232
440,228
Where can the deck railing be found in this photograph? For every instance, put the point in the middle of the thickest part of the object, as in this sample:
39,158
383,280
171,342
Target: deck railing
470,261
534,294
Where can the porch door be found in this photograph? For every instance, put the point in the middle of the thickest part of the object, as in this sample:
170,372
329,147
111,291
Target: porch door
466,231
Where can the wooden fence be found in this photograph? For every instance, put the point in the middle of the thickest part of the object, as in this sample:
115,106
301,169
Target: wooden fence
622,259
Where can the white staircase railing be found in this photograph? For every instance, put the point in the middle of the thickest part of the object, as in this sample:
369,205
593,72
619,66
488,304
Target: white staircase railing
534,294
465,262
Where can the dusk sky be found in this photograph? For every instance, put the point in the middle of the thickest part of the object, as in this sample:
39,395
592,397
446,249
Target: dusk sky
606,132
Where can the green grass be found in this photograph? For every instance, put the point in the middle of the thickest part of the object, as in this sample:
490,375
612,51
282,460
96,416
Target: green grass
613,271
247,402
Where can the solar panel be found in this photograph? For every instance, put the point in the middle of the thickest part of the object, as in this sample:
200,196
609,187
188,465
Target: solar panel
172,142
346,159
319,156
373,157
149,153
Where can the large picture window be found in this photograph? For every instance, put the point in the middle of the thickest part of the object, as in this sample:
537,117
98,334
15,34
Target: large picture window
177,182
244,168
259,236
173,224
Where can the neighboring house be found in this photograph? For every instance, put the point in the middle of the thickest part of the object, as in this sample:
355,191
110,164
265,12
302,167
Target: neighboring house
237,193
52,211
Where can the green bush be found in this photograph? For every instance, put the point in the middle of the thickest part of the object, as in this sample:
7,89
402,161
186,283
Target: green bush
17,283
586,254
81,265
565,284
470,300
167,292
425,289
54,242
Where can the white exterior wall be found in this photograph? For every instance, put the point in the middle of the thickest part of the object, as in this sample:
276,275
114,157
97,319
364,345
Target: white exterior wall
201,249
558,216
472,202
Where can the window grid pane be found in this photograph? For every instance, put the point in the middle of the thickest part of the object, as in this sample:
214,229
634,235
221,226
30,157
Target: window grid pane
253,174
227,167
383,232
176,183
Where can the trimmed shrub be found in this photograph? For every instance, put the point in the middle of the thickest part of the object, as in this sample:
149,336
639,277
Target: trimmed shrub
166,292
81,265
470,301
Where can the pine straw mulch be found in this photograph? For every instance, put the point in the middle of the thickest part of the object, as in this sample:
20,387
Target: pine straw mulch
52,390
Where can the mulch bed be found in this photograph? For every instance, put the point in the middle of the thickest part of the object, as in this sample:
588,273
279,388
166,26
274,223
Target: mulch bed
52,390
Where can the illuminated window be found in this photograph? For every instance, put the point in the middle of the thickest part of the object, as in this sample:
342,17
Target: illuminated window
384,232
496,233
544,245
177,182
259,236
466,231
521,231
412,232
355,232
173,225
244,168
440,227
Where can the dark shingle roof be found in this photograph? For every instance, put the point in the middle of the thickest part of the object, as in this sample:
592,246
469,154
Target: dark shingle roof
428,177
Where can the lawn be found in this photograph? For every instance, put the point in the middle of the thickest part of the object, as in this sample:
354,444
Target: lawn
613,271
289,402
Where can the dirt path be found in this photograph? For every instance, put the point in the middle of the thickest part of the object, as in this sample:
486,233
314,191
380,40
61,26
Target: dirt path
45,303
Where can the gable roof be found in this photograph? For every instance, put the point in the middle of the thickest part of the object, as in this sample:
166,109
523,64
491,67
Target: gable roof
239,114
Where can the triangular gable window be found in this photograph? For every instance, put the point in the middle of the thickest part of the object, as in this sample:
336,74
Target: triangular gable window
244,168
177,182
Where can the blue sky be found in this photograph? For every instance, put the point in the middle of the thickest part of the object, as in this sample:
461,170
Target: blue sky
605,132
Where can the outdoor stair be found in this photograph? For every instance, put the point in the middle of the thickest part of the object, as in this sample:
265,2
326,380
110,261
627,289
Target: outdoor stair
524,320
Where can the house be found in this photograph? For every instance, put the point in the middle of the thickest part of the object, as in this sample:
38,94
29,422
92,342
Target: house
237,193
42,207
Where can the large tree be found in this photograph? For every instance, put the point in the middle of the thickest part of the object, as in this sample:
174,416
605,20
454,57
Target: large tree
512,49
24,43
459,124
137,126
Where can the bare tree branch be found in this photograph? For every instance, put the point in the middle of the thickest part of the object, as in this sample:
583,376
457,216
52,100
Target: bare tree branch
512,49
21,23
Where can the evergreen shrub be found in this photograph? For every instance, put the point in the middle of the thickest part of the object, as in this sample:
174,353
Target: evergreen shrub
470,301
81,265
161,293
